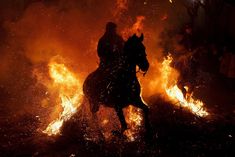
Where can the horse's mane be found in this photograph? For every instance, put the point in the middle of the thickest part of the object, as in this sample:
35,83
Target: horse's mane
129,42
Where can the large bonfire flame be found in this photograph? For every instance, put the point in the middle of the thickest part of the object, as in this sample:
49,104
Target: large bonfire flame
176,95
70,93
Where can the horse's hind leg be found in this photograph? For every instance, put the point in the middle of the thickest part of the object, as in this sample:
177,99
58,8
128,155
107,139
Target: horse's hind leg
121,118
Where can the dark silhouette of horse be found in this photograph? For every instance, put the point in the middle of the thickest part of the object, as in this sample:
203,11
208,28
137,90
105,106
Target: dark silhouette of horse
117,85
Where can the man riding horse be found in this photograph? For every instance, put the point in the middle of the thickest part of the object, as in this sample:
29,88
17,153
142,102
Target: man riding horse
114,84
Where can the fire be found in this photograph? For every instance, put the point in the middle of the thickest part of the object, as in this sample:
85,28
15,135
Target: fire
109,122
176,95
171,1
134,120
136,28
70,94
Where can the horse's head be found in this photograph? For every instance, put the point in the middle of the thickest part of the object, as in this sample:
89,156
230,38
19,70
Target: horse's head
135,50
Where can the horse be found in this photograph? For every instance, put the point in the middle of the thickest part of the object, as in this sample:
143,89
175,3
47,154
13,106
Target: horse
117,86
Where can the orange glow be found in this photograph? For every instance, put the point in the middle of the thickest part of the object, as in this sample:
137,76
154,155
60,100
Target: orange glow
136,28
164,17
176,95
121,6
70,94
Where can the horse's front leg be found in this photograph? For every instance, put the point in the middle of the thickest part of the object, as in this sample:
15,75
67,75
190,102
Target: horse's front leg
96,121
121,119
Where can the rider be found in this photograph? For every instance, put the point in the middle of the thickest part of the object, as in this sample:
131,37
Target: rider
110,45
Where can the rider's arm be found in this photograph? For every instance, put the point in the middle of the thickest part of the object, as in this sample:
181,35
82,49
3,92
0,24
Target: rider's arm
104,49
100,48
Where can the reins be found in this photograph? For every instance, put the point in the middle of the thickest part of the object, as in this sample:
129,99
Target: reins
139,71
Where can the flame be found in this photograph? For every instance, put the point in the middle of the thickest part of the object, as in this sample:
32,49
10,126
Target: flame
108,121
70,94
138,25
176,95
134,120
136,28
170,1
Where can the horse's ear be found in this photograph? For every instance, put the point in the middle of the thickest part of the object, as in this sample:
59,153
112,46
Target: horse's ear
141,37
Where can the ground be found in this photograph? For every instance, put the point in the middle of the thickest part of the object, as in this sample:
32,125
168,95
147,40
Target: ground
175,132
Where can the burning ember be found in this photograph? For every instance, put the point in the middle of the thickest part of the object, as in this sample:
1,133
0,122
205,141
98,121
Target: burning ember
176,95
70,94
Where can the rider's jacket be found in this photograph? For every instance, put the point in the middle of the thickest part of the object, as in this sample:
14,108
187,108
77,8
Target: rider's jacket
109,47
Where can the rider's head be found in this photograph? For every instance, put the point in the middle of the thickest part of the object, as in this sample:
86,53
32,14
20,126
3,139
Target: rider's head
111,28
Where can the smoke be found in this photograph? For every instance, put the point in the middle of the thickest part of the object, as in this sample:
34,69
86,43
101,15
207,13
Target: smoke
60,29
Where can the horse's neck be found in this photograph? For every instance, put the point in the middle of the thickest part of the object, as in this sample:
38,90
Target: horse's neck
127,64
